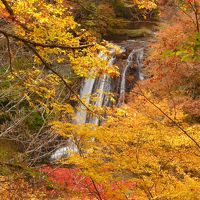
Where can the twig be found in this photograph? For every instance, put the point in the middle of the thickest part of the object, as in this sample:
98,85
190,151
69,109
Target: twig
12,15
9,53
48,66
166,115
96,189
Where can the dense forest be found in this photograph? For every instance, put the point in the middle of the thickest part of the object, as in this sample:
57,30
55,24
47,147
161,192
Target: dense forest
100,99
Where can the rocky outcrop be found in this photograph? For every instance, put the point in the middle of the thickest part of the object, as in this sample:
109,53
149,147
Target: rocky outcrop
129,33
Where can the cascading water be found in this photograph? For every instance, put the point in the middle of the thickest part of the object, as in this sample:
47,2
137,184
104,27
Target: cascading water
86,92
129,61
101,86
81,116
64,151
138,55
99,101
139,62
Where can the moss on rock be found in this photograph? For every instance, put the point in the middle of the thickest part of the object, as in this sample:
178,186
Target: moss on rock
130,33
8,150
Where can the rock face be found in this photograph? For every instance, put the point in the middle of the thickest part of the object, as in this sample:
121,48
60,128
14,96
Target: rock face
130,64
129,33
109,18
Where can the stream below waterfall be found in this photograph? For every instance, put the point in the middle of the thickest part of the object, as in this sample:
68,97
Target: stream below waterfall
130,63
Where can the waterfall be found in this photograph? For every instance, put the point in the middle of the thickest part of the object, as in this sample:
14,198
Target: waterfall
138,55
64,151
129,61
85,94
101,86
99,100
87,90
104,86
139,61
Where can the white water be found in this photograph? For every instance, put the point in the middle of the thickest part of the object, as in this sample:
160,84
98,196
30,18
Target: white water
64,151
138,54
139,62
129,61
101,86
81,115
85,94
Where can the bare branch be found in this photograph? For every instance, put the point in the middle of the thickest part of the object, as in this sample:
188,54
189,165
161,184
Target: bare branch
9,53
166,115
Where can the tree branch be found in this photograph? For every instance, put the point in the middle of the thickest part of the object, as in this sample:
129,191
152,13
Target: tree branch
12,15
194,9
9,53
8,8
32,44
48,66
166,115
96,189
38,44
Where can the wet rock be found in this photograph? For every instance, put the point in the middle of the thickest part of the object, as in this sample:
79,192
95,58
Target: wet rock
122,56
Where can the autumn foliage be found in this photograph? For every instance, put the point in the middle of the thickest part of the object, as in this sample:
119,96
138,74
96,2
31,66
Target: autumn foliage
145,149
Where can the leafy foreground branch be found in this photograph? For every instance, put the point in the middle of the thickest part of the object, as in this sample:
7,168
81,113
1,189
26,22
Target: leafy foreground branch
140,152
